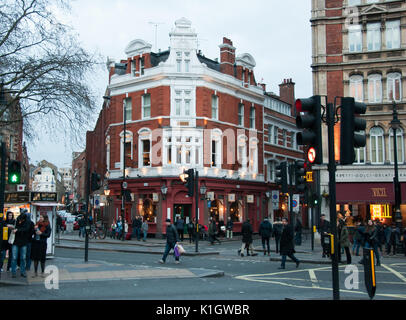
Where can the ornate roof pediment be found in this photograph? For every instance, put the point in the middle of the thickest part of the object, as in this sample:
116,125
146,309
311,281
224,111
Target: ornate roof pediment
246,60
137,47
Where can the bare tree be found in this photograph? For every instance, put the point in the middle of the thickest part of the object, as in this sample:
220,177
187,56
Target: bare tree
44,68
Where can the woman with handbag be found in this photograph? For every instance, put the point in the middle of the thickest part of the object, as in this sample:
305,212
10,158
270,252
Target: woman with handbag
9,223
39,243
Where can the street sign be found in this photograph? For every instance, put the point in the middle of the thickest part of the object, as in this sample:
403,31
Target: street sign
295,202
125,185
311,155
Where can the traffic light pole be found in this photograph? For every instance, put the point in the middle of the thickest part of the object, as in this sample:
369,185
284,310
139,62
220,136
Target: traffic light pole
2,176
332,194
88,175
197,208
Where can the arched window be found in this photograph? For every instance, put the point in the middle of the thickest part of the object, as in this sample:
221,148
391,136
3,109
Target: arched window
216,148
394,84
377,145
128,147
399,145
242,152
253,156
375,88
357,88
108,153
144,148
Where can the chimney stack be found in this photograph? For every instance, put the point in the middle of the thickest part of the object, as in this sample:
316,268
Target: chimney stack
287,94
227,57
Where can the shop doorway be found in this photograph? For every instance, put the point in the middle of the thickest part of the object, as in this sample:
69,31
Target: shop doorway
182,211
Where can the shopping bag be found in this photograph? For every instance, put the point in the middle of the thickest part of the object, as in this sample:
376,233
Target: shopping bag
5,233
181,250
11,238
176,250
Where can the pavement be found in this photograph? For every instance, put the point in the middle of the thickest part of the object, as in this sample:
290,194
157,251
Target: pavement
76,270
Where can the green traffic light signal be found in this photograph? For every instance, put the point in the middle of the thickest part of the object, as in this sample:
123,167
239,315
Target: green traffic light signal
14,172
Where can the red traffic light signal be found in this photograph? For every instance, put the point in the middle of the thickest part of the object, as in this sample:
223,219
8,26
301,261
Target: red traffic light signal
310,122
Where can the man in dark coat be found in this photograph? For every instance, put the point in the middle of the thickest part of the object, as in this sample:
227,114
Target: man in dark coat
246,231
22,231
172,238
265,230
287,247
277,232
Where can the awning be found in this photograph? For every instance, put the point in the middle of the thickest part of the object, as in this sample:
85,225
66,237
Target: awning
379,193
45,204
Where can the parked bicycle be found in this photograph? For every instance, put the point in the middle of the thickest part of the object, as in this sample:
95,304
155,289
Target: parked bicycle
97,232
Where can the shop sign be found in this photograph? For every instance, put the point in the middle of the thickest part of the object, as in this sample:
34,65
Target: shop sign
231,197
379,192
44,196
155,197
250,198
17,197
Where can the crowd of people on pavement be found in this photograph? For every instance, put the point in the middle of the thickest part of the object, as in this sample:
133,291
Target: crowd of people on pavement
353,235
25,242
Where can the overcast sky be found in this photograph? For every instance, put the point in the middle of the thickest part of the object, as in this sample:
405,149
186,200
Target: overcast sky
276,33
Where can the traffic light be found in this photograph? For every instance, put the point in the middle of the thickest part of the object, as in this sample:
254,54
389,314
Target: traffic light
189,180
350,124
311,123
14,172
282,176
95,181
299,173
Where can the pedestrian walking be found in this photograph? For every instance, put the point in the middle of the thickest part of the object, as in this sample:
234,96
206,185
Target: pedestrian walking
137,224
191,230
180,225
358,237
30,236
324,229
39,243
246,231
213,231
298,233
229,228
287,246
265,230
277,233
343,240
144,228
370,241
394,239
19,249
9,223
82,227
172,238
119,228
388,233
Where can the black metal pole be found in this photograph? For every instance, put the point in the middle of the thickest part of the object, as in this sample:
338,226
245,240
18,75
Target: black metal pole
3,176
398,216
197,208
87,212
312,225
332,195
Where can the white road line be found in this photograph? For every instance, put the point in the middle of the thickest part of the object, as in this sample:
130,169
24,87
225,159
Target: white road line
313,278
398,274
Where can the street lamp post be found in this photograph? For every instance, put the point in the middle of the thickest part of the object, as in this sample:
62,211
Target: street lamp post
395,124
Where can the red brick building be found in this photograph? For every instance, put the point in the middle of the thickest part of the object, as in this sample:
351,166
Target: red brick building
183,110
359,50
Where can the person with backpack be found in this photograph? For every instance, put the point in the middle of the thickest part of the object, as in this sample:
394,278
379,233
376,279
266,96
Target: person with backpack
172,238
265,230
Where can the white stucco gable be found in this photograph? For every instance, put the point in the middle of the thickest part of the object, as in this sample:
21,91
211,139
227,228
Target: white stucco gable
137,47
246,60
